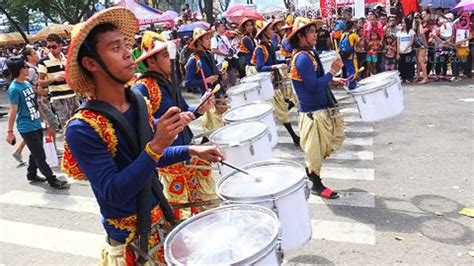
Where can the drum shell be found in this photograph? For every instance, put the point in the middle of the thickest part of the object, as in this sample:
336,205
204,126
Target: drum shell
380,102
254,93
265,81
288,205
266,118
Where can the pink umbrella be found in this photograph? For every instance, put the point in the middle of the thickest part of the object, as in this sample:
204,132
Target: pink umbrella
465,5
237,15
168,16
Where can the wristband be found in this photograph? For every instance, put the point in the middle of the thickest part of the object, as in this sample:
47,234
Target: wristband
154,155
10,131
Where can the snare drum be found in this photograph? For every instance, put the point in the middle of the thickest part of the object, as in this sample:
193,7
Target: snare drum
265,81
259,111
380,99
381,77
244,93
282,188
327,58
243,143
228,235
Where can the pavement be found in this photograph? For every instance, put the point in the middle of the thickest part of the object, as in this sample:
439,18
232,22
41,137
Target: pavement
403,182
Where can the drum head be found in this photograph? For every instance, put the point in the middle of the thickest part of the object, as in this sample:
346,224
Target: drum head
276,177
241,88
256,77
235,134
379,78
248,112
233,234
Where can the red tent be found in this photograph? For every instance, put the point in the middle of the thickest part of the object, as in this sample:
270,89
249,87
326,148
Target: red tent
145,14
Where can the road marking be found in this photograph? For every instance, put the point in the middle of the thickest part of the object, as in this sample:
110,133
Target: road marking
369,141
359,129
348,173
350,110
344,231
52,239
353,155
352,118
348,198
51,201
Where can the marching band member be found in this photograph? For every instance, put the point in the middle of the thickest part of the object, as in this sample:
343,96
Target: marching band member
264,58
113,141
321,125
202,72
182,184
247,43
279,33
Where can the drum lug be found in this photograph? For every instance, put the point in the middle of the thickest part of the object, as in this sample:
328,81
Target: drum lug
280,252
275,208
259,90
363,99
386,93
252,149
245,96
307,190
270,137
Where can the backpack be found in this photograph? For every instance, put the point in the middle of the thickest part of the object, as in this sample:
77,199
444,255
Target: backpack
345,48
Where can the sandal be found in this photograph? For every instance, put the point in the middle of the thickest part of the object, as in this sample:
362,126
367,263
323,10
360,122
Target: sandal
425,81
327,193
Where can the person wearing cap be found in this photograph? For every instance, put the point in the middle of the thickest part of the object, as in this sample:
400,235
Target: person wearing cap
247,43
119,146
320,123
202,64
182,184
264,58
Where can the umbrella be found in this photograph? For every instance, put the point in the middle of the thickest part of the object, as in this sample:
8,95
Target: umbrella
439,3
168,16
238,15
11,38
62,30
465,5
187,29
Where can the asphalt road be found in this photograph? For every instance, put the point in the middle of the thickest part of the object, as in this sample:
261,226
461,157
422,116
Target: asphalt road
403,182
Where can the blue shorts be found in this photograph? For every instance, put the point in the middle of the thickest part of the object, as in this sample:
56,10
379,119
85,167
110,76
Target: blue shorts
372,58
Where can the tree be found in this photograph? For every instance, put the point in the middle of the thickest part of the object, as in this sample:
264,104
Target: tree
207,8
224,4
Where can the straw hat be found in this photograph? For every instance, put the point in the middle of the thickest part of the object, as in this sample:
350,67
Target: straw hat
261,28
278,21
157,47
122,18
198,33
148,39
301,23
242,23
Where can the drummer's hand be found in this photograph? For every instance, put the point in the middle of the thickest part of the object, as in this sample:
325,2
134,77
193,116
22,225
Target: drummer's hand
208,104
187,117
167,128
209,153
337,65
339,81
211,79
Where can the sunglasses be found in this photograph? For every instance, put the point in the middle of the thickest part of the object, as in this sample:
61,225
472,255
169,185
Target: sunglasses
53,47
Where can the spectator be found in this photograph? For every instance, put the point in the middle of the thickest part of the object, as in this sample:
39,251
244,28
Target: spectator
374,47
406,64
462,36
441,38
427,27
24,107
51,75
390,53
421,47
324,38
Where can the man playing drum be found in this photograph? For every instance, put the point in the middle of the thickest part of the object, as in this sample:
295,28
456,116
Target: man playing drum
264,58
202,72
321,125
113,141
182,184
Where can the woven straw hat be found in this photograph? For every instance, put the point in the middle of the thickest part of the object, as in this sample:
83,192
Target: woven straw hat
157,47
149,37
126,23
263,27
242,23
198,33
278,21
301,23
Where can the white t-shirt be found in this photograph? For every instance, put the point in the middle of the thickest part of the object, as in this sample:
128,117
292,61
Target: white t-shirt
3,63
446,31
172,50
405,40
222,44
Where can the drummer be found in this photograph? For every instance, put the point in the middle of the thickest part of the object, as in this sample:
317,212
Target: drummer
285,46
264,58
182,184
279,33
320,123
201,63
247,43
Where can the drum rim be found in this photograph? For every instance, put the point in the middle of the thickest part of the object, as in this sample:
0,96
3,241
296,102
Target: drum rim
266,113
264,76
391,82
266,197
393,74
254,86
243,142
268,247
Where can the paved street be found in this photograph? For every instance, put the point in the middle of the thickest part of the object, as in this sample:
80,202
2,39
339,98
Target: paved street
403,182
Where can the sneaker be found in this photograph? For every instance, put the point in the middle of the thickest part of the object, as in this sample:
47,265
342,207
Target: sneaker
35,178
17,157
58,184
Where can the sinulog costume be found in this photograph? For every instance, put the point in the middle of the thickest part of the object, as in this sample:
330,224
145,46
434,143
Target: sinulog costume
264,58
201,65
247,46
320,123
111,149
184,182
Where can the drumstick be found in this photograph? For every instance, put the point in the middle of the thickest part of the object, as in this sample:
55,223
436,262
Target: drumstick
257,178
214,91
356,73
